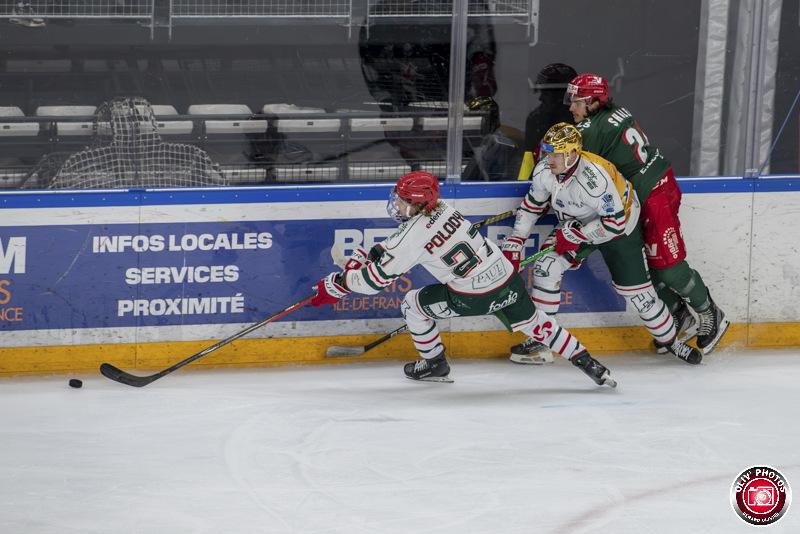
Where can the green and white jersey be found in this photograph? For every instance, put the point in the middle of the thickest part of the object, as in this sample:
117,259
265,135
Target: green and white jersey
445,244
614,134
592,191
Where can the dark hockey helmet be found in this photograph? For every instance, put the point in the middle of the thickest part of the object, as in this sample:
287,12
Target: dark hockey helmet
589,86
419,187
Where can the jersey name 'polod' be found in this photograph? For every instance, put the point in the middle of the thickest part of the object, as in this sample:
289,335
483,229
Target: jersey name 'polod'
446,246
593,192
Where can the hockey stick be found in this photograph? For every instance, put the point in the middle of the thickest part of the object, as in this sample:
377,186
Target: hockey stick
493,219
337,351
341,350
534,257
118,375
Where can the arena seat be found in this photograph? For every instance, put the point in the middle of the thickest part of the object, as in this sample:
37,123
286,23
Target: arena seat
396,124
16,129
167,127
300,125
64,129
228,126
244,175
376,172
440,123
305,173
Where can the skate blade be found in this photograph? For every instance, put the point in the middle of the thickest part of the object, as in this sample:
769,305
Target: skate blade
528,360
608,381
444,379
711,346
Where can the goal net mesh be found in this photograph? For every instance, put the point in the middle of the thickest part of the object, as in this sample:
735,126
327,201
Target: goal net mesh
127,151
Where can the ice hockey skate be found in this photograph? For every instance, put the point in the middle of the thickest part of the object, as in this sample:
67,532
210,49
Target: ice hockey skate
685,323
429,370
683,351
713,326
594,370
531,352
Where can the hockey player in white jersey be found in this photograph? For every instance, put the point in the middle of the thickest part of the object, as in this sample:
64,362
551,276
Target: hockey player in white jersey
474,277
597,209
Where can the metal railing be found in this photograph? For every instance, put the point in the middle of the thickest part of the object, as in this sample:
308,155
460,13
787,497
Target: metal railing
105,9
261,8
443,8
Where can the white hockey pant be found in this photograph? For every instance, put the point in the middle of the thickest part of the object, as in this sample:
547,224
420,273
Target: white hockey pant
548,272
651,309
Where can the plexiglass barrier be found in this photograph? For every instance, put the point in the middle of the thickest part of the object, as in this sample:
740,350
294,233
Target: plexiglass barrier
356,91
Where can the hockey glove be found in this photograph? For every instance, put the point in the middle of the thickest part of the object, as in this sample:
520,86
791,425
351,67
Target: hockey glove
329,290
569,237
512,250
357,260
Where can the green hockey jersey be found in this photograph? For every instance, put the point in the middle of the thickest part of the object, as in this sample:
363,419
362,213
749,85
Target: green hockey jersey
614,134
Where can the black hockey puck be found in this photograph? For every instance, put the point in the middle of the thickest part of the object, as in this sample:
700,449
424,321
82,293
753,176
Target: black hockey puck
75,383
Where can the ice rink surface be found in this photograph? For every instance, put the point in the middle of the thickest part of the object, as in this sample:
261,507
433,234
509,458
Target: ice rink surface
358,448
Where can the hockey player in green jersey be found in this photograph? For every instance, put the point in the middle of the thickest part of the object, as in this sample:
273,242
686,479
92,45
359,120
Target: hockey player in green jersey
611,131
597,210
475,278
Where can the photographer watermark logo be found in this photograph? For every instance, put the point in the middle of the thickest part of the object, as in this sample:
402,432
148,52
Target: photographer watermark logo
760,495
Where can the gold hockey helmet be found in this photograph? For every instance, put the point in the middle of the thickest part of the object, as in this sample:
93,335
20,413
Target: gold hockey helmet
562,138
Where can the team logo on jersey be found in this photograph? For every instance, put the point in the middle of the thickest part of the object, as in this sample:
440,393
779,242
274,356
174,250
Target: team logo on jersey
608,203
760,495
508,301
670,239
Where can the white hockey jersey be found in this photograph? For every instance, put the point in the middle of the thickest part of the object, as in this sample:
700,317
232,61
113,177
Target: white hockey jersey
445,245
593,192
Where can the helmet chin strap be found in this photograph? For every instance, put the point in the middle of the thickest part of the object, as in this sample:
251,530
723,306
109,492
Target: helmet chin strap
570,165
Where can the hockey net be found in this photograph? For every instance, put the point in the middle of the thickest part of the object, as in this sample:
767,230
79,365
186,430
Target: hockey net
127,151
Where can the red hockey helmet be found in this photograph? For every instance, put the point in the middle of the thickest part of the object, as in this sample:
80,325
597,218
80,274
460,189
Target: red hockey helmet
419,187
587,85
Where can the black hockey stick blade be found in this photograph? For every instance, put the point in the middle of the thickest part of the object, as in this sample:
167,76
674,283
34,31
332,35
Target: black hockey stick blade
118,375
337,351
342,350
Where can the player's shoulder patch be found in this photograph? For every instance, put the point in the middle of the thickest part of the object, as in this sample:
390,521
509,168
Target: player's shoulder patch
592,178
607,203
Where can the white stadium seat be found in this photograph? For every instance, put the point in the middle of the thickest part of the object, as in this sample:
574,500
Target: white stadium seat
166,127
16,129
399,124
307,125
249,175
305,173
377,172
69,128
229,126
440,123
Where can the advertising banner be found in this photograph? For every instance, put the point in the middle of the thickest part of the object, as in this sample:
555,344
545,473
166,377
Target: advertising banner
156,274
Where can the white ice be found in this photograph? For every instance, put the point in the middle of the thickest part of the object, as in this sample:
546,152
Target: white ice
358,448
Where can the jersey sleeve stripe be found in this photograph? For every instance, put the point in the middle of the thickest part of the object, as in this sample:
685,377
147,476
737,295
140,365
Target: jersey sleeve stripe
372,279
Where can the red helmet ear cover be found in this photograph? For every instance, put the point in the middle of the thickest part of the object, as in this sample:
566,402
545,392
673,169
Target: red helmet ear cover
419,187
589,84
